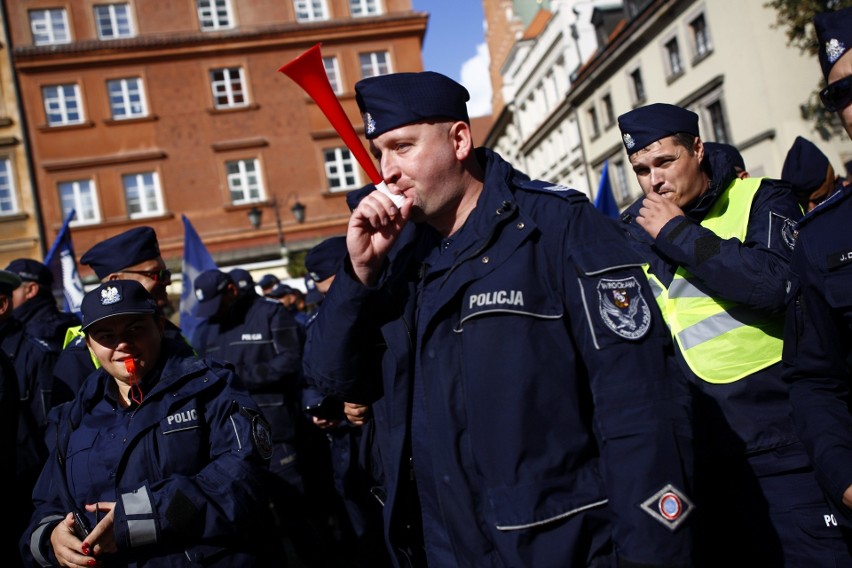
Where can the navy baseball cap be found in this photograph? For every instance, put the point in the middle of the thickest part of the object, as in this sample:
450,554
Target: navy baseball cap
730,151
324,259
645,125
8,282
390,101
31,270
123,250
313,295
116,298
834,37
805,167
280,291
242,278
268,280
209,289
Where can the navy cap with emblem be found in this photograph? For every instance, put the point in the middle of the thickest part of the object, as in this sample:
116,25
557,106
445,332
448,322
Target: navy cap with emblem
268,281
32,271
125,249
324,259
116,298
645,125
242,278
209,289
280,291
805,167
8,282
834,37
390,101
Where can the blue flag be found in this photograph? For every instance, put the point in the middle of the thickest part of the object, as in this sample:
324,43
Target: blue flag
62,263
604,199
196,260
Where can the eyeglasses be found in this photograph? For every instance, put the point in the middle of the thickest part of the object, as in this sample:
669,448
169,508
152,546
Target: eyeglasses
838,95
163,275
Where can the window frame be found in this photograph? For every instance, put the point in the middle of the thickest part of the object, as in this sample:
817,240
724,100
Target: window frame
127,102
609,111
62,104
50,26
333,74
114,21
672,57
697,53
363,8
78,205
634,73
373,64
226,83
244,175
310,10
7,171
341,162
145,201
210,17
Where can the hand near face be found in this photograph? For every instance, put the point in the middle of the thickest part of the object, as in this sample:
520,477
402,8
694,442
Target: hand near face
655,212
373,227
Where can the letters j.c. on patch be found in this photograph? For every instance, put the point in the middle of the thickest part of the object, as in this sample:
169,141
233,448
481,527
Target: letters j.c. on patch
623,307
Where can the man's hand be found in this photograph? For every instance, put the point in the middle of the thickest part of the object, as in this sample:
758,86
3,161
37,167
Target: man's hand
373,227
655,212
357,414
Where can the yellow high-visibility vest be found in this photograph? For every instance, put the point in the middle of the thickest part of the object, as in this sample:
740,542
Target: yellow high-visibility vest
71,334
722,341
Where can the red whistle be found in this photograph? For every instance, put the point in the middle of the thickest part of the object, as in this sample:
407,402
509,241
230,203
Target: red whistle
130,365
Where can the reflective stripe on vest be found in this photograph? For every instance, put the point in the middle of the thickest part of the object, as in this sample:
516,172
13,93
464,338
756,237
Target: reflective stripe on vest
721,341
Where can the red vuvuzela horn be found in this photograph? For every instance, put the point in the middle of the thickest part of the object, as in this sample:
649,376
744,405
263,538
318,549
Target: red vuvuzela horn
308,72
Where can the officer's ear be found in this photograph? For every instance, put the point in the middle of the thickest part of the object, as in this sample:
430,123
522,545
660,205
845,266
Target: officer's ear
698,149
462,139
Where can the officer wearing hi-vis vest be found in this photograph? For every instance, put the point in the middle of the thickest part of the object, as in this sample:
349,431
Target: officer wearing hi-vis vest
717,249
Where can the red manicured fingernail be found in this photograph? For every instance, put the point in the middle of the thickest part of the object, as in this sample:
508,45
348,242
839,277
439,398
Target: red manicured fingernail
92,562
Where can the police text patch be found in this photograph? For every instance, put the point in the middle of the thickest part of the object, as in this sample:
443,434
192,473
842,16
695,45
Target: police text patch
839,258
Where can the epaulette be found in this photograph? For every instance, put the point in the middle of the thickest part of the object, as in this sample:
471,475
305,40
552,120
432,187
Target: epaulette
541,186
843,192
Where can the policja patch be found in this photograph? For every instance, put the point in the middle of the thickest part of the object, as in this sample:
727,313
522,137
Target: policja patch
623,308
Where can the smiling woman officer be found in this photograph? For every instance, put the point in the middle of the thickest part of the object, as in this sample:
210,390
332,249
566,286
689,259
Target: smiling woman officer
158,460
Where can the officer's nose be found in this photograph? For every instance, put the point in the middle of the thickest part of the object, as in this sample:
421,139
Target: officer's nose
657,179
390,171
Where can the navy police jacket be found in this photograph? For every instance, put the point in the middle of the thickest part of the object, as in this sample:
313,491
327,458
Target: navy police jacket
556,421
752,414
43,320
185,468
264,343
818,341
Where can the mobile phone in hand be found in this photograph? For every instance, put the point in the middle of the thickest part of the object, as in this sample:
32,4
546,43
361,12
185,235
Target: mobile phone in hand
80,528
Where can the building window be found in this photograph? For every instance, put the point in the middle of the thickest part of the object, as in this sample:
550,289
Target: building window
126,98
142,194
374,63
62,104
717,122
340,169
244,181
228,89
638,86
333,73
622,183
310,10
79,196
594,125
673,58
49,27
609,110
214,14
700,37
363,7
113,21
8,197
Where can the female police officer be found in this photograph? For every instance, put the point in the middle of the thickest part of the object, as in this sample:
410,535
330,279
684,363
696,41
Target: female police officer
160,455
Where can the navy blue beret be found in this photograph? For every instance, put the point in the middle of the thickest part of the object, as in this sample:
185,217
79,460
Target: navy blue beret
730,151
391,101
31,270
834,36
116,298
209,289
805,166
8,282
645,125
324,259
125,249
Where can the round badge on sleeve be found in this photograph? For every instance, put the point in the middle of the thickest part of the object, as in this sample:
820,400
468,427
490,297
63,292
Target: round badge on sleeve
623,308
